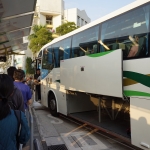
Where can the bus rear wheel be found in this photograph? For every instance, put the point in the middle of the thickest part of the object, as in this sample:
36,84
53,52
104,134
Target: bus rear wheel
53,105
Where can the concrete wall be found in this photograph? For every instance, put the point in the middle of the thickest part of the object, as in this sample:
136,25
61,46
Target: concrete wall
71,15
82,14
56,21
38,2
62,7
51,6
42,19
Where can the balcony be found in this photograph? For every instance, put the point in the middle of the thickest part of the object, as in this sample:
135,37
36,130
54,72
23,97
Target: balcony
54,35
49,26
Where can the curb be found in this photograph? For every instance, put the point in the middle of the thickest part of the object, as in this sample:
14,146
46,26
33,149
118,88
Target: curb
43,141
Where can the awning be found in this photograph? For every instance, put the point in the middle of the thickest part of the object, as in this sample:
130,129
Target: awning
16,18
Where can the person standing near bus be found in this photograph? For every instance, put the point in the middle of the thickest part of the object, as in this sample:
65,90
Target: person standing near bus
16,99
37,82
25,90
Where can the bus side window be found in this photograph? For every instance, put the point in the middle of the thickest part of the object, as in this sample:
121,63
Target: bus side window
76,53
94,50
61,54
82,53
84,42
65,46
50,59
138,48
66,53
56,55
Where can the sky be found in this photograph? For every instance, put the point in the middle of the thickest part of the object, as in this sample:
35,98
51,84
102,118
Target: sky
96,8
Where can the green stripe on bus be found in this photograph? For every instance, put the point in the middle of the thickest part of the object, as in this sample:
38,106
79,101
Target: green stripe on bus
141,78
99,54
136,93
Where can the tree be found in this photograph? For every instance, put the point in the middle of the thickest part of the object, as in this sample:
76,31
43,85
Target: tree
29,69
41,36
66,28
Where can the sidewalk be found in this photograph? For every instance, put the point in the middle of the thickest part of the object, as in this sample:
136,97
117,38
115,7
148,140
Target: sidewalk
36,134
59,133
47,130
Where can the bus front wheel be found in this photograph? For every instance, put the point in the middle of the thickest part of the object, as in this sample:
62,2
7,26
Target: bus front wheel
53,105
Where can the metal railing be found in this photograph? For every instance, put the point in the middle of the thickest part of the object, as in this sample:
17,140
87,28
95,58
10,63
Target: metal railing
34,143
31,128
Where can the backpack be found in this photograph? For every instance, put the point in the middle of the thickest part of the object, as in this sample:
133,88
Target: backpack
18,116
11,101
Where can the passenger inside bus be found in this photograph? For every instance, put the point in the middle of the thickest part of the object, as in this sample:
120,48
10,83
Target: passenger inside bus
139,46
132,46
94,50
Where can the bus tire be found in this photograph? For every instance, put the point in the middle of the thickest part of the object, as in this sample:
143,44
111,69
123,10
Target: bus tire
53,105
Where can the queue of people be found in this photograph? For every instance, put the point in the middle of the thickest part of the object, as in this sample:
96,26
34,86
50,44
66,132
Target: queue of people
15,98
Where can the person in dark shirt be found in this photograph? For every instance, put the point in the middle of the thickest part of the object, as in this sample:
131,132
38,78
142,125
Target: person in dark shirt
16,98
38,86
37,74
9,125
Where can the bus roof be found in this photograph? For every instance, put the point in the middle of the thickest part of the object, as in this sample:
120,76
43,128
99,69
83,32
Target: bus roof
102,19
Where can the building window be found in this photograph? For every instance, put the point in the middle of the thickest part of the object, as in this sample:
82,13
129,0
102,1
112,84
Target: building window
85,22
49,20
82,22
78,21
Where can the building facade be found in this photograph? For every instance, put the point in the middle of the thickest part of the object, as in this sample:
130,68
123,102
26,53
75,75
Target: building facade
52,14
78,16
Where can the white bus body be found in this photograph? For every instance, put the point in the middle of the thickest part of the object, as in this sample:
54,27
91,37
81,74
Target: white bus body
100,73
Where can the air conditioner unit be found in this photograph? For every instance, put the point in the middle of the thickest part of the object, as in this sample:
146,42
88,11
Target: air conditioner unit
3,59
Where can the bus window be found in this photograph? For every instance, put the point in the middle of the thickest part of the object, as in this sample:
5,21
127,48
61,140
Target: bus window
85,43
47,62
58,51
67,48
128,32
40,54
61,51
67,51
47,59
56,56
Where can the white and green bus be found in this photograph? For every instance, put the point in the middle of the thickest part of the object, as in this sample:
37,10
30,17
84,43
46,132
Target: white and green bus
100,74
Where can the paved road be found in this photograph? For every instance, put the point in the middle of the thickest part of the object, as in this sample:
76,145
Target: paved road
62,132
